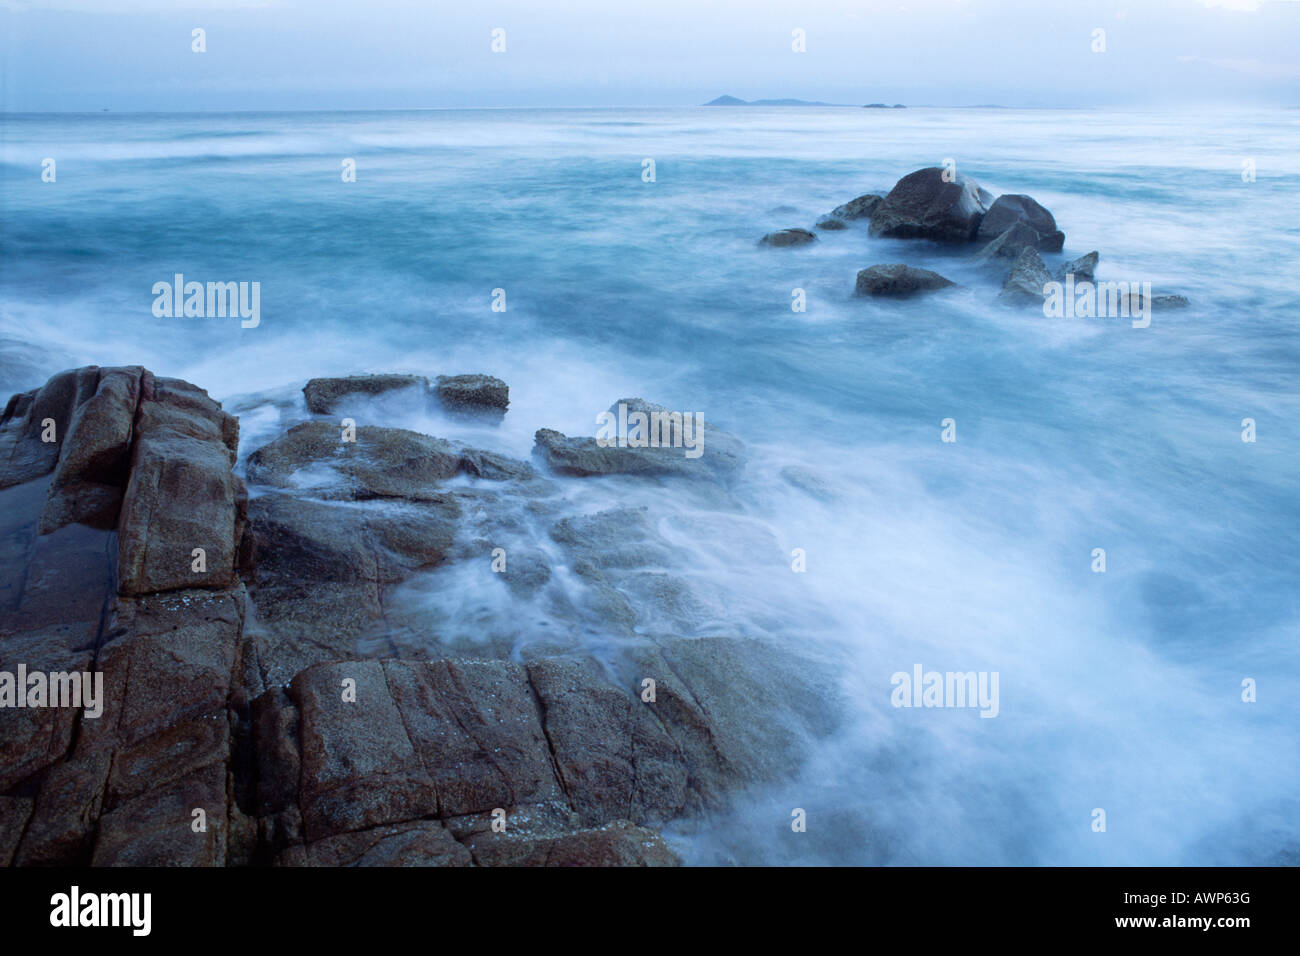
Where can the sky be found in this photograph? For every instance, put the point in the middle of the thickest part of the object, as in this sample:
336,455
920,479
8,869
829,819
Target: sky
90,55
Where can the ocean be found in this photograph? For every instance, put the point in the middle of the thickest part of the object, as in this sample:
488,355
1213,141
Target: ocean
1120,691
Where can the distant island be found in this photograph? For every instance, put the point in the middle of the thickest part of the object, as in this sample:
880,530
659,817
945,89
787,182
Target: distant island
736,101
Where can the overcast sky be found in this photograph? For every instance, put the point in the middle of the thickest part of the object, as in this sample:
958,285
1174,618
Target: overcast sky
350,54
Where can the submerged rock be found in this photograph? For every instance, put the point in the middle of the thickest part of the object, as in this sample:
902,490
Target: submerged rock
788,237
1017,210
897,281
1158,303
925,205
831,224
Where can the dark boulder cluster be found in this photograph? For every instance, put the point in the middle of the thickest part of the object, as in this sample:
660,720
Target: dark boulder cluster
269,698
1007,233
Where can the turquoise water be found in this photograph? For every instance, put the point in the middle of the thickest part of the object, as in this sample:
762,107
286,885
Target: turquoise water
1119,691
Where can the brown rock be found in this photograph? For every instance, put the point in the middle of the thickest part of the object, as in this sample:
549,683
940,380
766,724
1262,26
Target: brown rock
327,395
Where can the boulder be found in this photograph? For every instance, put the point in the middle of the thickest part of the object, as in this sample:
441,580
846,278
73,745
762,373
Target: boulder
860,208
1083,268
1009,245
925,205
831,224
898,281
325,395
1013,209
788,237
1024,284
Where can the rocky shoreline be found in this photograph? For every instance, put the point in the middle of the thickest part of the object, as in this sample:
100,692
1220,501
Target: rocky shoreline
270,700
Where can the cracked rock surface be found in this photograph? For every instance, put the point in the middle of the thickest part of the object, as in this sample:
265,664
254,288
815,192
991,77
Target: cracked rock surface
260,688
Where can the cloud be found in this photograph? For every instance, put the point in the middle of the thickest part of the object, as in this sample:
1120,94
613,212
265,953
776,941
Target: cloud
1240,6
1272,71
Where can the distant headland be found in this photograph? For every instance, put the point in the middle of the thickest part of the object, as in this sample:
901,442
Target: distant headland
736,101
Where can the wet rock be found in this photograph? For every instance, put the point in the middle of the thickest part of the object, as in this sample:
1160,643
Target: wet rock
182,494
479,395
553,743
742,711
788,237
151,458
527,571
14,814
156,828
616,759
898,281
90,477
831,224
312,457
720,454
1083,268
494,467
326,395
323,571
1009,245
860,208
417,843
355,762
924,205
1013,209
614,844
444,738
24,456
1024,284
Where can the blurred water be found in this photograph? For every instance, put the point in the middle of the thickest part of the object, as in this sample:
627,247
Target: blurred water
1119,690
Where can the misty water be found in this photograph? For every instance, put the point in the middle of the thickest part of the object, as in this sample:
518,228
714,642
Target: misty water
1119,690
